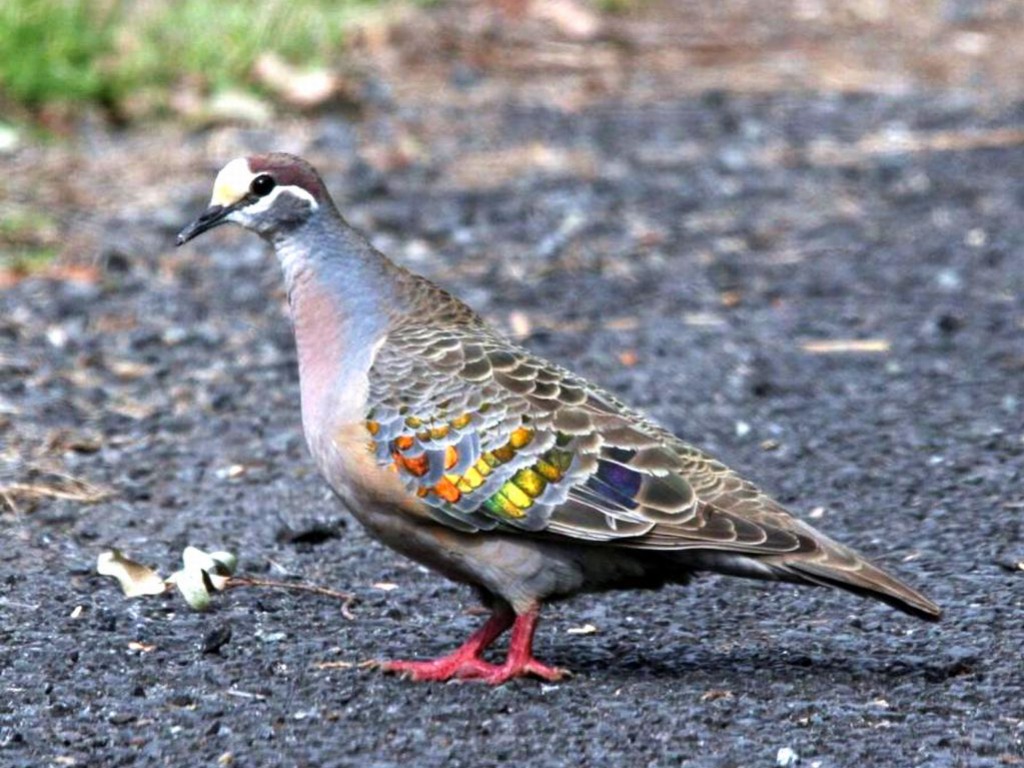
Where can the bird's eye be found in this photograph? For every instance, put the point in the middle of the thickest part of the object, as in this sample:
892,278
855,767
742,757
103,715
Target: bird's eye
262,185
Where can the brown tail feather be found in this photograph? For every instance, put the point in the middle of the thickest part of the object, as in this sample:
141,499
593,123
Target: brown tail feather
866,580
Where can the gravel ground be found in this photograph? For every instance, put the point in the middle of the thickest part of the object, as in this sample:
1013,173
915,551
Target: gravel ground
706,258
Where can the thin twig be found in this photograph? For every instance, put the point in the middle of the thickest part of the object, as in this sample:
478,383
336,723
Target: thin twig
86,494
8,501
80,490
334,665
348,598
840,346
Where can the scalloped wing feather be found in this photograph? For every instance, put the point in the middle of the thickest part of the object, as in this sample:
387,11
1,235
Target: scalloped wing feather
489,436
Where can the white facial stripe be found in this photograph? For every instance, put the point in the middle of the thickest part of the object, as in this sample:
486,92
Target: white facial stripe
232,183
265,203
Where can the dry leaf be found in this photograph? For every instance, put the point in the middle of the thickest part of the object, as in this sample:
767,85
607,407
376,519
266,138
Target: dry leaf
227,561
135,579
194,586
204,573
384,586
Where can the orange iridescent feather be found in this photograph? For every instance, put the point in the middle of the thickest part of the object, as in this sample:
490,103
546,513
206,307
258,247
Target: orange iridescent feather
446,489
515,496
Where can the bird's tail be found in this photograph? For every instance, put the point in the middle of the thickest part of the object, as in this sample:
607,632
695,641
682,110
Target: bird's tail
834,565
864,579
822,562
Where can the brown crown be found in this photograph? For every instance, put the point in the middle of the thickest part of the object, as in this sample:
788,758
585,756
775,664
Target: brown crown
290,170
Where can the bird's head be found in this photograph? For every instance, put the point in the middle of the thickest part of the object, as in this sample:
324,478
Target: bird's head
268,194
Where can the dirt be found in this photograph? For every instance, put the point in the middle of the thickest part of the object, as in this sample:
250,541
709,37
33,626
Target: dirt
711,256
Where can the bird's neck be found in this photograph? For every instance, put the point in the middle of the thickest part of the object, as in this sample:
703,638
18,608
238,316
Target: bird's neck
339,292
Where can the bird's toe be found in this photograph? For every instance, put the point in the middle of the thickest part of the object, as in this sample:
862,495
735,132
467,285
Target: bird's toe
531,668
439,670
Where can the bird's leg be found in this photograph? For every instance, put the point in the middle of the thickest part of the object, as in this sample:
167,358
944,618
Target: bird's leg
465,662
520,661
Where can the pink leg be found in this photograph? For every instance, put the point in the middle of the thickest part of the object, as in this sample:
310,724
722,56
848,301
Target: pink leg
466,662
520,661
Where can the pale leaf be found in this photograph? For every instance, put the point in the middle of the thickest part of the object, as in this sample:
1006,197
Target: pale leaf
135,579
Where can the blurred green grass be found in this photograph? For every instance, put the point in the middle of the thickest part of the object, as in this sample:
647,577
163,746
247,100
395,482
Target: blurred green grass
111,51
29,239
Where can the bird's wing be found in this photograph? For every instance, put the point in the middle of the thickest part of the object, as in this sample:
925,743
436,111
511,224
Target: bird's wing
490,436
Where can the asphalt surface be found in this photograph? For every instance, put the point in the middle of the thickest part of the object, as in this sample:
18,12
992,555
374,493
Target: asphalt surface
693,257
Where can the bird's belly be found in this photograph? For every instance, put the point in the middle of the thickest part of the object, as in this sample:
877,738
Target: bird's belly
344,454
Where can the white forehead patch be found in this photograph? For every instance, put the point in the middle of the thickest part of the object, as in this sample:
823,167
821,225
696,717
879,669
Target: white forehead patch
232,182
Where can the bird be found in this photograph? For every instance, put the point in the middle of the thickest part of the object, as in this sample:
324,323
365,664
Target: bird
489,464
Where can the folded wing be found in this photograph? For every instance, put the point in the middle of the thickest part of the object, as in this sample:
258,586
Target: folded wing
491,437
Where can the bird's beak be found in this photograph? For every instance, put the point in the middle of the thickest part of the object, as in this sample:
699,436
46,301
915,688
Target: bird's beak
212,217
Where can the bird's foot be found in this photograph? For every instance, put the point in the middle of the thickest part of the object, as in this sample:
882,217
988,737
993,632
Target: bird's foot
520,661
456,667
466,663
530,667
462,664
452,667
